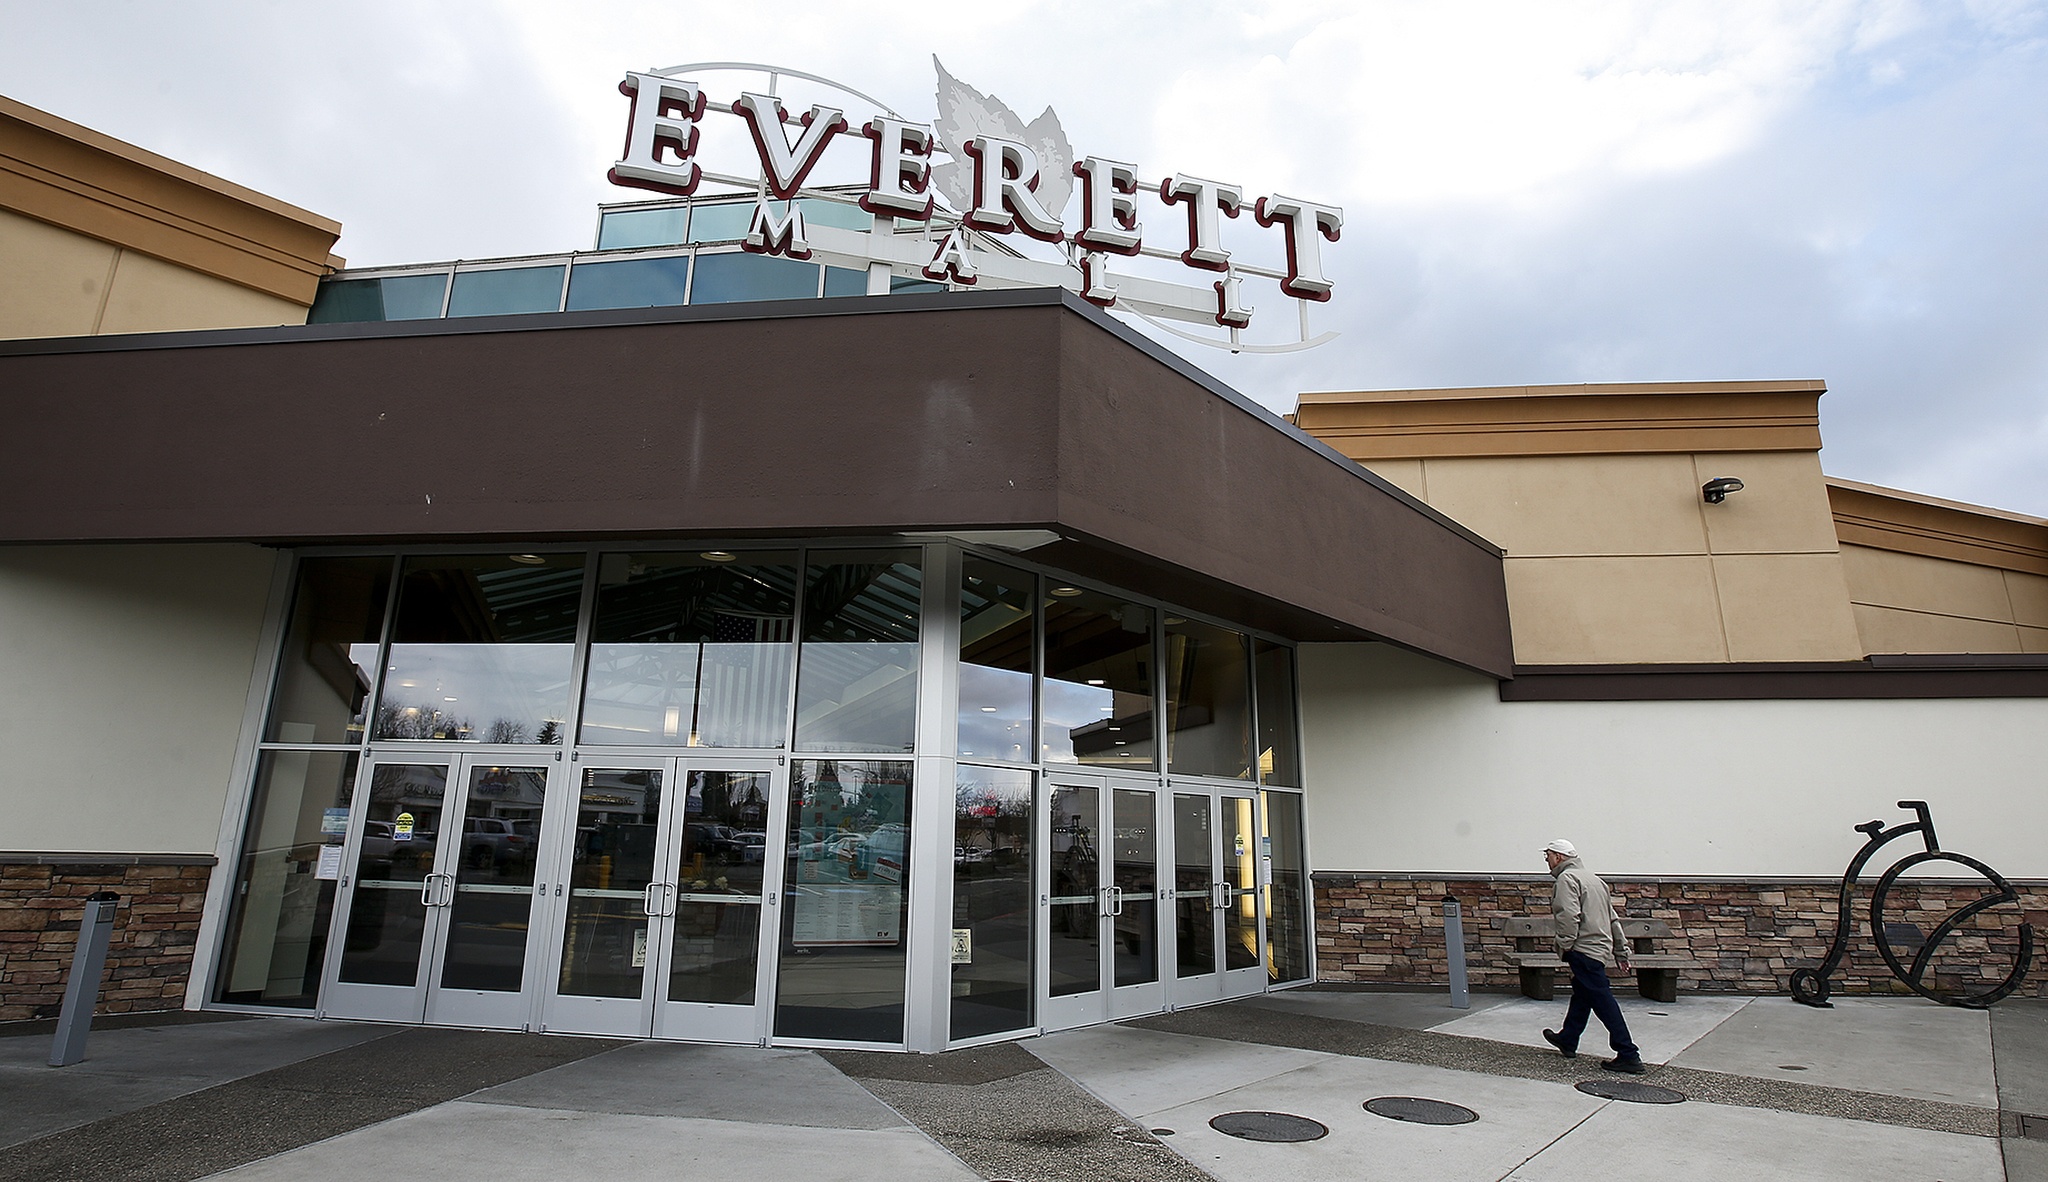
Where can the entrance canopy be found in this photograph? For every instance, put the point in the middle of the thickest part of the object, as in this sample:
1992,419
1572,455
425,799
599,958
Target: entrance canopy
1025,419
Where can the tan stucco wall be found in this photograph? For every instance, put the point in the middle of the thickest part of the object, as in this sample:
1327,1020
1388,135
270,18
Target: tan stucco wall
1615,559
1414,766
124,676
1914,603
54,282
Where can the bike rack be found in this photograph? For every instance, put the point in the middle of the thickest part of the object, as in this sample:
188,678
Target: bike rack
1811,986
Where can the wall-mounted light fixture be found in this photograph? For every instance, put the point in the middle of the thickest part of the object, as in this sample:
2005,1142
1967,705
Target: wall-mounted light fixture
1714,491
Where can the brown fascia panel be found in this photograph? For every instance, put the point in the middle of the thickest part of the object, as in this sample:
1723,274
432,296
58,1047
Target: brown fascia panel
70,176
868,416
1627,419
1906,523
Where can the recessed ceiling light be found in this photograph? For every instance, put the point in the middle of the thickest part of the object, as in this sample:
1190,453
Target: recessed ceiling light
1066,592
530,559
448,699
1095,681
718,555
988,709
1172,620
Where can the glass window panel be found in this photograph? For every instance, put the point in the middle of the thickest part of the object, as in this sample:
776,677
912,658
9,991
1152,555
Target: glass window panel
279,911
845,281
823,211
629,283
691,651
1240,854
1208,700
847,882
905,285
1279,753
604,931
857,675
488,916
396,297
720,869
481,648
1194,877
499,293
387,922
330,651
621,229
1136,874
738,277
1287,917
992,898
1098,680
1074,958
722,222
996,661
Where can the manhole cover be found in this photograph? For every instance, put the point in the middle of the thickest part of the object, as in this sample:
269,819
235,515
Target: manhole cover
1416,1110
1268,1126
1634,1093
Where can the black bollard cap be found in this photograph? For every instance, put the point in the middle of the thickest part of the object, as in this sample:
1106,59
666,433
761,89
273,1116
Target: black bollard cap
103,897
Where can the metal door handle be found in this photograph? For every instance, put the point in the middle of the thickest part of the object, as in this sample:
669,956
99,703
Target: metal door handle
427,890
650,904
1116,900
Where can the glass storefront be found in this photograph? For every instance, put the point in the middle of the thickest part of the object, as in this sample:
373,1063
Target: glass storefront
669,792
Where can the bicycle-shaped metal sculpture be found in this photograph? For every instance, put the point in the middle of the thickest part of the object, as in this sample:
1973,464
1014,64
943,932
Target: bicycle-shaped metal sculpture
1811,986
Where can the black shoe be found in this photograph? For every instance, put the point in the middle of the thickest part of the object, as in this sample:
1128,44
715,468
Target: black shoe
1625,1066
1554,1039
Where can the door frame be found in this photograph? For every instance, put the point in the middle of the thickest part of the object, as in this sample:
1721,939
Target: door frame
1109,1001
423,1002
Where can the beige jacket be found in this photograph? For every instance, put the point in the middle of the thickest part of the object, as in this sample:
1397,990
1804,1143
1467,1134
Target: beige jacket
1584,914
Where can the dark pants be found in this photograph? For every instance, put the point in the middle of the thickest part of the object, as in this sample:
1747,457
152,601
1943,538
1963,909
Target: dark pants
1591,994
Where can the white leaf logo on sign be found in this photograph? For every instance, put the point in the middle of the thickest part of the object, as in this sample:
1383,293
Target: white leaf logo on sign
965,113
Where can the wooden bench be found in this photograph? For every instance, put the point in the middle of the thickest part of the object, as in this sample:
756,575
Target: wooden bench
1536,956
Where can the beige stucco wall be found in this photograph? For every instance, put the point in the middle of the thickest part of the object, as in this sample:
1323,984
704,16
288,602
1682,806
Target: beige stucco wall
124,675
1415,766
54,282
1913,603
1616,559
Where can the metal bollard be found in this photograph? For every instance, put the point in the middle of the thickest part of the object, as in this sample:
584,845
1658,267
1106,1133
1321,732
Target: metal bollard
1454,940
82,990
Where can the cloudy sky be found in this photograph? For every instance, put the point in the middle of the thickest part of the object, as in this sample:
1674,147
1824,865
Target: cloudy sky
1533,192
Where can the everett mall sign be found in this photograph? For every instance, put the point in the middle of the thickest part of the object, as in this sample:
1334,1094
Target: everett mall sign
1004,177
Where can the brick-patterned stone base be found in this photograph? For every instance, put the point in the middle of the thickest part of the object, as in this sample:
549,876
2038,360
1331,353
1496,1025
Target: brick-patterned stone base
1748,936
149,957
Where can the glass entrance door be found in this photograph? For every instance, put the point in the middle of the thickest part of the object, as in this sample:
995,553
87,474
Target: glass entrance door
1215,895
1101,913
438,892
663,883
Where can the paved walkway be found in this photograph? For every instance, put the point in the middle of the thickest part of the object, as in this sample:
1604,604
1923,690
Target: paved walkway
1874,1088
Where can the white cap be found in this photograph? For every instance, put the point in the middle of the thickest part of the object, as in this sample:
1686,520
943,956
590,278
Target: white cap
1561,846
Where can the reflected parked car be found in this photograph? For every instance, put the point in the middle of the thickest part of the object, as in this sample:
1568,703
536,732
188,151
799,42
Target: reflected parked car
489,842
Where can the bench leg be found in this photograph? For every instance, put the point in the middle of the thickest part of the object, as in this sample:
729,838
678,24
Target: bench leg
1539,983
1657,984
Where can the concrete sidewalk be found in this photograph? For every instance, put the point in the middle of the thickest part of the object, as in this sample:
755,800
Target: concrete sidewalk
1874,1088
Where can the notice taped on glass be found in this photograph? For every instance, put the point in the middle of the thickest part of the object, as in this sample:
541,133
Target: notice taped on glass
851,914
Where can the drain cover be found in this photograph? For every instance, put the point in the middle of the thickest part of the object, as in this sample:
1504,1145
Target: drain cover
1416,1110
1634,1093
1269,1126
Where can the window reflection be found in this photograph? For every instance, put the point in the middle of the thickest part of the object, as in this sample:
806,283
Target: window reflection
857,678
330,651
739,277
691,651
629,283
481,649
1279,753
1287,921
992,810
286,877
394,297
498,293
847,877
996,662
1098,680
1208,700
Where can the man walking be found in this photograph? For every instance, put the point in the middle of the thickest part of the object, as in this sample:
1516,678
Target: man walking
1588,937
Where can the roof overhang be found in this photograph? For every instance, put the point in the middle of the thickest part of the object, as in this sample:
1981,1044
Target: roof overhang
950,414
